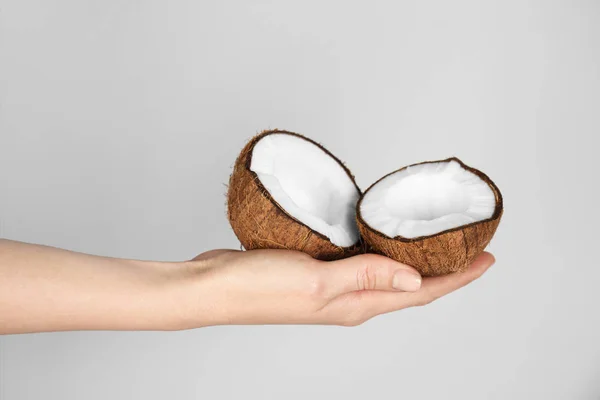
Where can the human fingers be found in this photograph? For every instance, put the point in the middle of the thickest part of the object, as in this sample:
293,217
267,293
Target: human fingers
435,287
355,308
369,272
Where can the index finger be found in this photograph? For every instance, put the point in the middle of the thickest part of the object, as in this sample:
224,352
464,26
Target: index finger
432,288
435,287
375,302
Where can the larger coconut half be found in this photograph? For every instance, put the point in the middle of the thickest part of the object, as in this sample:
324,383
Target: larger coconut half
435,216
288,192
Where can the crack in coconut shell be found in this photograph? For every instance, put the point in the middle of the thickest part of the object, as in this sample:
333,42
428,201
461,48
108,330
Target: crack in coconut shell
260,222
448,251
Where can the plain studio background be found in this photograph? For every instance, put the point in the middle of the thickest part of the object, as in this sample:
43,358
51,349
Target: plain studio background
120,121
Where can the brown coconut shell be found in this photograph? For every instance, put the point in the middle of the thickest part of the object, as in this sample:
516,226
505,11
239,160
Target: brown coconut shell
259,222
449,251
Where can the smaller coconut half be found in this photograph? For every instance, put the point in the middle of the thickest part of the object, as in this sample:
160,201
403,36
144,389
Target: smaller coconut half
436,216
288,192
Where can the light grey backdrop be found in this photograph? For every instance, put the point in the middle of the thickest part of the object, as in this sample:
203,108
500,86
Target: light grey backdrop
120,120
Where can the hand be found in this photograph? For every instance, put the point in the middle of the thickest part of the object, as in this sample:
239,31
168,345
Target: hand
288,287
48,289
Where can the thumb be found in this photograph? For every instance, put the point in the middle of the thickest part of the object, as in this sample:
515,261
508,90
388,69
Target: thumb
371,272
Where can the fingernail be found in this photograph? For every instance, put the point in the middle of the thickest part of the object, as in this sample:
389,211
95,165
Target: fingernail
406,280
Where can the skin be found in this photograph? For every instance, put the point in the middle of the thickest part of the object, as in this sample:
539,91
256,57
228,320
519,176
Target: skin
49,289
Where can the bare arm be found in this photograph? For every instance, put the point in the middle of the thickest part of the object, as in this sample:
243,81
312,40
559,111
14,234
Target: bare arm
48,289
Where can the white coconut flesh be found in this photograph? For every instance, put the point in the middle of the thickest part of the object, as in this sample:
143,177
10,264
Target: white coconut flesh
426,199
309,185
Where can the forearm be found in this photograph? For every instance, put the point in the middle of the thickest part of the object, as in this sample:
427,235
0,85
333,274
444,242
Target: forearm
48,289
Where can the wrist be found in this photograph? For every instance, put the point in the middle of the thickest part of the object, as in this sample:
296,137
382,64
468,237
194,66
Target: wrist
142,296
185,296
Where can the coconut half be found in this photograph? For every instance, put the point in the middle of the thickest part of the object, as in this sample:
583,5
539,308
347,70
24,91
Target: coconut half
436,216
288,192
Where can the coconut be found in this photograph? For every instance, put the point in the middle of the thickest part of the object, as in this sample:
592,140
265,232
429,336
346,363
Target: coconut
436,216
288,192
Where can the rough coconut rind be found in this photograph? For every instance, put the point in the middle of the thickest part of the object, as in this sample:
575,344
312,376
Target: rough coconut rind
443,253
259,222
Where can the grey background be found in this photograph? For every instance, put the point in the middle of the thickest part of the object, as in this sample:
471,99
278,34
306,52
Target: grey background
120,121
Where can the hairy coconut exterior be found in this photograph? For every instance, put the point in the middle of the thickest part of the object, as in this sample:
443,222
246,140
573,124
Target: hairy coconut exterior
443,253
259,222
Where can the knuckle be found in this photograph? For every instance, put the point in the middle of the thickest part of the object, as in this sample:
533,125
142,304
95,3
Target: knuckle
366,277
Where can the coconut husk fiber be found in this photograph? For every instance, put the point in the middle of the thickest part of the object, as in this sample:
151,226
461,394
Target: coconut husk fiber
446,252
259,222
